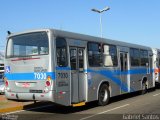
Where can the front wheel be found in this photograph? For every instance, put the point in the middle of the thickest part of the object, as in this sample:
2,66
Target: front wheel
103,95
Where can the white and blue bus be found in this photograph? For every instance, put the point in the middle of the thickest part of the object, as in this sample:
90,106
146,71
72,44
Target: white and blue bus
71,69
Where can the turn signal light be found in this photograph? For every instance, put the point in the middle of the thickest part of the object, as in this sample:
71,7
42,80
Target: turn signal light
49,78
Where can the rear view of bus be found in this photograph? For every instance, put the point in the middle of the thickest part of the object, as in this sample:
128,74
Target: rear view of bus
28,73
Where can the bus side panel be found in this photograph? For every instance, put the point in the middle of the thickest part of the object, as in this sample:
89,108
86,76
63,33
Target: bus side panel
151,82
136,78
97,76
62,95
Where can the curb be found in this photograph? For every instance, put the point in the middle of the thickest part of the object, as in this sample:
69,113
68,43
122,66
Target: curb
11,109
23,107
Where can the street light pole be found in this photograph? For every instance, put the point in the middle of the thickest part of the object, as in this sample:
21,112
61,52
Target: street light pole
100,12
101,25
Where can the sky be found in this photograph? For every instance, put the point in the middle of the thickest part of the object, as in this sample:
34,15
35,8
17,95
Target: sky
133,21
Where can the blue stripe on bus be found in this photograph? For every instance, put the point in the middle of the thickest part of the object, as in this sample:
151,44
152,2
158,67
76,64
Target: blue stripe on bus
119,72
132,72
28,76
112,76
107,73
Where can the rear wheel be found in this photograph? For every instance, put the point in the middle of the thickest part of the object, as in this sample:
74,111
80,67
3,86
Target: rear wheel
144,88
103,95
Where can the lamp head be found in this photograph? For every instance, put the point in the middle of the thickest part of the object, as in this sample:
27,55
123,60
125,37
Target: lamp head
95,10
106,8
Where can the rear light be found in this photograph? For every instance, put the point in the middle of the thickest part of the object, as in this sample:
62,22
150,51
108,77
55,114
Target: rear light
6,83
48,83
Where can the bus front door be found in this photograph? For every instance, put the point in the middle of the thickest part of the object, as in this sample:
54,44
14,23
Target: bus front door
124,68
78,75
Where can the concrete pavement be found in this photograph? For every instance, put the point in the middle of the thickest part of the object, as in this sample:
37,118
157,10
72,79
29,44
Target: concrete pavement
7,106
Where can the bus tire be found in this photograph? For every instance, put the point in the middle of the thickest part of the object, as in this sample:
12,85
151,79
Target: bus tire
144,88
103,95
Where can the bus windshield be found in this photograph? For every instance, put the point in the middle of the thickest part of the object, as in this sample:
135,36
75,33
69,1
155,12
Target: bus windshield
31,44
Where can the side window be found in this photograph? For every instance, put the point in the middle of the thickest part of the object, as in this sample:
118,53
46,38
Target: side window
135,57
81,59
94,54
110,55
144,57
61,51
73,58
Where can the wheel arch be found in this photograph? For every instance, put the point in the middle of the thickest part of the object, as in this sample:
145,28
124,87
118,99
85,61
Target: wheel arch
101,83
144,80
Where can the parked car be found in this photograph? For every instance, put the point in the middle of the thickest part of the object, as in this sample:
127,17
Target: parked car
2,87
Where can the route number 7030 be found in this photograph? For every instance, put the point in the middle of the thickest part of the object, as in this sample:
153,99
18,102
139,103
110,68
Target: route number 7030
40,76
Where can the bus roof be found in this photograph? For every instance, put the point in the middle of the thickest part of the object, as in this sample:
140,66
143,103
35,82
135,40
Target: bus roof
78,36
